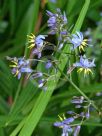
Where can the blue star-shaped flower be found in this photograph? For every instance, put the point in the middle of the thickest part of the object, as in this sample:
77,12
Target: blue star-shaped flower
84,64
78,41
20,66
36,43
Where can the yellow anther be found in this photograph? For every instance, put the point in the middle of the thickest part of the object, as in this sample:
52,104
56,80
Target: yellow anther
84,43
89,71
64,116
80,70
85,40
14,62
31,40
16,73
31,46
31,36
60,118
13,66
81,48
86,70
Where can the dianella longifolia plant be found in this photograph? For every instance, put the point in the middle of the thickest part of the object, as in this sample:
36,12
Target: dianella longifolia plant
76,44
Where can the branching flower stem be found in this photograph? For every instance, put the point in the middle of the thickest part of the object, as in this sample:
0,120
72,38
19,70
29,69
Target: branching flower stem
79,90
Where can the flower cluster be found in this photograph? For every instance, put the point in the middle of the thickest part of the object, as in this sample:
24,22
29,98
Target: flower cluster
19,66
80,102
36,44
58,25
78,41
84,65
67,124
57,22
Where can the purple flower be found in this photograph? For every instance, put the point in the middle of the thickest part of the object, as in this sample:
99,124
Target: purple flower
65,125
37,75
37,43
85,65
58,25
53,1
48,64
65,128
41,83
68,120
78,41
77,100
16,72
70,112
87,114
37,52
57,22
20,66
76,131
58,124
82,114
63,32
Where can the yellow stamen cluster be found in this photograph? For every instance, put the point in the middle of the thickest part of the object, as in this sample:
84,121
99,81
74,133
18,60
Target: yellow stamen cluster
62,118
14,65
17,72
31,40
86,70
83,44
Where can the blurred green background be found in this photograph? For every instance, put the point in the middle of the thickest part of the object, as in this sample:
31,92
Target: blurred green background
19,18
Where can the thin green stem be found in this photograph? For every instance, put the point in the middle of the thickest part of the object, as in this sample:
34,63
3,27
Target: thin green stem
79,90
36,60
